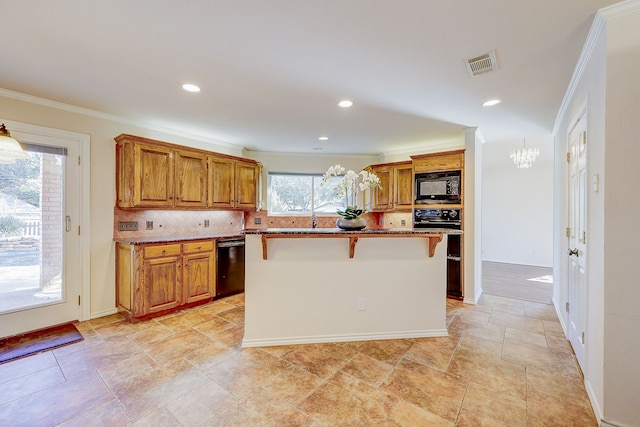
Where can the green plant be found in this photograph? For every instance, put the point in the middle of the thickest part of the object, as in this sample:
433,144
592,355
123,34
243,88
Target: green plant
10,226
350,186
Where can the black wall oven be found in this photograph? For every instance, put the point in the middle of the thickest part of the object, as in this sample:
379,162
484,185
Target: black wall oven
438,187
451,219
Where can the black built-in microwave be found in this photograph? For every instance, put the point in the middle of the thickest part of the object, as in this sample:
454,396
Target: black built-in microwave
438,187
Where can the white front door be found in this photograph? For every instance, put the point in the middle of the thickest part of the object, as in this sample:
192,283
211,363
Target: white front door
577,253
42,250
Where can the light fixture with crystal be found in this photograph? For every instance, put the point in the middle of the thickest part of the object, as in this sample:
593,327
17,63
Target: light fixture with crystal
525,156
10,149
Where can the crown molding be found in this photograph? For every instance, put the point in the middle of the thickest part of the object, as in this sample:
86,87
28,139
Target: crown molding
599,24
6,93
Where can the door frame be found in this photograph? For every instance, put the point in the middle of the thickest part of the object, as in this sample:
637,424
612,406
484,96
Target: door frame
28,131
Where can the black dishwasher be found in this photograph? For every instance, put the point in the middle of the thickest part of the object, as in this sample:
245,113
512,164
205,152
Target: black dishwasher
230,266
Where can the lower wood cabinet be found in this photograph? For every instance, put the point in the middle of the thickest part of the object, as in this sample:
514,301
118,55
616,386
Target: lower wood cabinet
154,279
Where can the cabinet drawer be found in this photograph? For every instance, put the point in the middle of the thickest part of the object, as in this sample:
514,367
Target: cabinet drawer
194,247
163,250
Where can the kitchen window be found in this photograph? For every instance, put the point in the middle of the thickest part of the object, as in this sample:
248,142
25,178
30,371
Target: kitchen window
302,194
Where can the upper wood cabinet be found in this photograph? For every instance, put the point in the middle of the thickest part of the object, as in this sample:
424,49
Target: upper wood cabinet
435,162
232,183
155,174
191,179
396,193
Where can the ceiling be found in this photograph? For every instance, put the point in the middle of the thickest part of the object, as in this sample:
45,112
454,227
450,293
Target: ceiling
272,72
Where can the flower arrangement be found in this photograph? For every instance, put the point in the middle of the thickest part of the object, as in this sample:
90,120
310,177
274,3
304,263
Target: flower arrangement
350,187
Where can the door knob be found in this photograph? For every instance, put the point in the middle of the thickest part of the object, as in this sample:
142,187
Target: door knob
573,252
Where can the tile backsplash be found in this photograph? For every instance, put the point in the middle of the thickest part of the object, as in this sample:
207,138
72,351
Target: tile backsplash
177,223
181,223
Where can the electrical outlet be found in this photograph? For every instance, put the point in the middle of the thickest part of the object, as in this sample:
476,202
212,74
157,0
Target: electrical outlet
257,220
360,304
127,225
206,222
403,222
149,225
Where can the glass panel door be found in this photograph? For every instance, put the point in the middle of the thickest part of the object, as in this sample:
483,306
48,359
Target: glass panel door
31,224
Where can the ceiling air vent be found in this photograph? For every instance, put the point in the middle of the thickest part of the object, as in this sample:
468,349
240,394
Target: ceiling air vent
482,64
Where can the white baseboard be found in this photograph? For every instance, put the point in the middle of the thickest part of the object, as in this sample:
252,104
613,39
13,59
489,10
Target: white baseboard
104,313
343,338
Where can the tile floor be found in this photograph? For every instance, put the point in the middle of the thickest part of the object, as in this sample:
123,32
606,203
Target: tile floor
504,363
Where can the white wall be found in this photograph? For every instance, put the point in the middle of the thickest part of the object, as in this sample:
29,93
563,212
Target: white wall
517,204
621,224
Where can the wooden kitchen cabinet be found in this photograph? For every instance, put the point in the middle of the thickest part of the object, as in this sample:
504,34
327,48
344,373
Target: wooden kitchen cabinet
232,183
155,174
191,179
436,162
396,193
153,279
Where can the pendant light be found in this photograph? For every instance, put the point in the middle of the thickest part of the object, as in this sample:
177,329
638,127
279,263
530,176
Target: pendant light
524,157
10,149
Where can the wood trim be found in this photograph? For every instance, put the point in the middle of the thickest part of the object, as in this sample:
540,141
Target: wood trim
432,240
438,154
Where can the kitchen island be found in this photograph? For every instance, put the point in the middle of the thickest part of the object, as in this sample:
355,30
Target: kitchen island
328,285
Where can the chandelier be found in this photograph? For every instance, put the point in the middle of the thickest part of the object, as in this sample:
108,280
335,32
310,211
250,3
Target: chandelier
524,157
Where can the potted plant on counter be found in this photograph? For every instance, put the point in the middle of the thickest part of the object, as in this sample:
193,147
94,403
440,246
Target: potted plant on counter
349,187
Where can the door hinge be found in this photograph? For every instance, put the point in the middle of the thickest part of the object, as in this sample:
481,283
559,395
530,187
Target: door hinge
568,157
568,232
78,299
78,160
78,230
584,237
582,338
566,306
584,137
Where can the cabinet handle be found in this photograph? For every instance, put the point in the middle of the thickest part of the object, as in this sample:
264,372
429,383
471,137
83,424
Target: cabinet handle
164,251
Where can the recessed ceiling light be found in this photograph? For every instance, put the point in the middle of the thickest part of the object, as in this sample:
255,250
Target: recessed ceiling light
190,87
491,103
323,138
345,103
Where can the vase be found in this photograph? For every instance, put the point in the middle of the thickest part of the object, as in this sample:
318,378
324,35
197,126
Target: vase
351,224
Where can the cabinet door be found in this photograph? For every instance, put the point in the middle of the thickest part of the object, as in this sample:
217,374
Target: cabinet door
162,284
153,176
403,188
198,276
221,182
191,179
246,184
383,197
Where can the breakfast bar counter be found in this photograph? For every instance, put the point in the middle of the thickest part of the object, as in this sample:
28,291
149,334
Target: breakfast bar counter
329,285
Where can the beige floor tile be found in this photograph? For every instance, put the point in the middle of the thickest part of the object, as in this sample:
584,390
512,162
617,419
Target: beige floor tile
322,360
508,308
371,371
481,346
469,418
186,319
543,358
546,410
142,394
524,336
167,350
517,322
437,392
434,352
47,408
30,383
195,407
501,376
293,384
25,366
109,414
159,418
540,311
388,351
97,357
345,400
405,414
502,408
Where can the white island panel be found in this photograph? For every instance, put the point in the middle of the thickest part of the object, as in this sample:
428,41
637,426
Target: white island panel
309,290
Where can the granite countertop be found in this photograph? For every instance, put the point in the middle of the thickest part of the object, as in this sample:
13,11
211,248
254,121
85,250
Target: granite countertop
176,238
370,231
